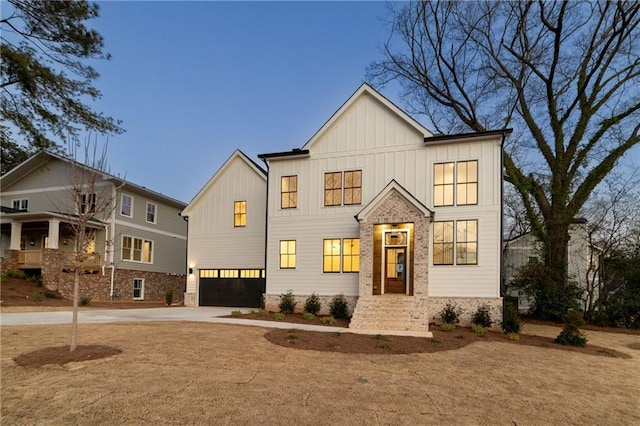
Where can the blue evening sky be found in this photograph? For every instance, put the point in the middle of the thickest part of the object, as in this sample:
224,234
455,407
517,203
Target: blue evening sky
192,81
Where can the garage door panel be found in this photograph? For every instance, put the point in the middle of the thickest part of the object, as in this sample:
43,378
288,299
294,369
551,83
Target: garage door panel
232,292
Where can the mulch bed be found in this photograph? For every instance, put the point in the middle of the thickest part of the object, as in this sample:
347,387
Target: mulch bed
293,318
60,355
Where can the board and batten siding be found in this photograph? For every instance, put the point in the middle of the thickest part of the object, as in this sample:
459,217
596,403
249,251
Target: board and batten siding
214,241
370,137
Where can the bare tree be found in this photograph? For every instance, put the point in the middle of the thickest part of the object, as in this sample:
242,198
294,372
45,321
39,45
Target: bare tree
564,75
91,203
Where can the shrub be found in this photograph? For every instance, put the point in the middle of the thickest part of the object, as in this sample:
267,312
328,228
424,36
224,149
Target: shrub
450,314
35,279
84,301
328,320
17,274
168,295
37,297
339,307
263,312
447,326
312,304
570,334
510,319
287,302
479,330
278,316
308,316
513,336
236,314
482,316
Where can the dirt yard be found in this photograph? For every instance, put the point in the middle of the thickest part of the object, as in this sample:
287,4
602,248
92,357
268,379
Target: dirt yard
196,373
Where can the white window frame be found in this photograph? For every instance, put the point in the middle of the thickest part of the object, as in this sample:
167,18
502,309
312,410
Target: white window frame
155,212
88,199
122,205
131,257
141,281
23,204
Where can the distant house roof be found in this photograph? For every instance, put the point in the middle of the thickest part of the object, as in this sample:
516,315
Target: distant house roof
42,157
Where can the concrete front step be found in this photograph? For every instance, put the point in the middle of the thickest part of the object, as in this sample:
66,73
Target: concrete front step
392,313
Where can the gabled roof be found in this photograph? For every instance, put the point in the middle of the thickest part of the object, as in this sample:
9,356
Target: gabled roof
393,186
363,90
42,157
236,154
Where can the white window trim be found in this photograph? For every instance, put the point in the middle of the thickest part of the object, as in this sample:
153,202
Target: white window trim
153,249
122,204
20,202
141,288
155,213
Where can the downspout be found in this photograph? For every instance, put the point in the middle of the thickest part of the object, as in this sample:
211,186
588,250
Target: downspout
113,241
186,256
266,231
502,219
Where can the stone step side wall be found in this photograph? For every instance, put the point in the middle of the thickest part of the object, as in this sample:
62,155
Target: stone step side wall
391,312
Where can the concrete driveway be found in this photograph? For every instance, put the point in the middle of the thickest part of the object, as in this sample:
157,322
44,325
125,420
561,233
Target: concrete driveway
98,316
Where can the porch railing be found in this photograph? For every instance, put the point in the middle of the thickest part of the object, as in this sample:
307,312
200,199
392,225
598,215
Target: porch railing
33,259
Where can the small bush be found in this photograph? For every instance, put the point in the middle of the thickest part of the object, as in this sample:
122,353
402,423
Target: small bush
479,330
328,320
513,336
35,279
447,327
312,304
278,316
482,316
570,334
510,320
168,295
263,312
287,302
17,274
84,301
339,307
236,314
308,316
37,297
450,314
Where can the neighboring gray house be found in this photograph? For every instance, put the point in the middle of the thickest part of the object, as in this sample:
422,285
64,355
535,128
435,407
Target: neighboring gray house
140,246
583,262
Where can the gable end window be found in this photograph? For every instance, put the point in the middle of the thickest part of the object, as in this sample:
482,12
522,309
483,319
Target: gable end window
21,204
126,205
151,212
455,183
343,188
288,254
289,192
239,214
455,240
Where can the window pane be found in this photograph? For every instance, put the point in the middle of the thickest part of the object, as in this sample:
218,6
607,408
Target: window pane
288,194
467,242
353,187
443,184
239,213
331,255
351,255
443,243
148,248
287,254
467,184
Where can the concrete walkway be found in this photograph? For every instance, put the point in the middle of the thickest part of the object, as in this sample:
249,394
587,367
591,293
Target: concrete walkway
97,316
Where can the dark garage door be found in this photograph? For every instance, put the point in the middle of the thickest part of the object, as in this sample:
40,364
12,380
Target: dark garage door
240,292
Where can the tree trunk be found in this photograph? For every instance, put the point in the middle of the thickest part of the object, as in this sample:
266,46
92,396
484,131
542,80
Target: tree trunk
556,251
74,319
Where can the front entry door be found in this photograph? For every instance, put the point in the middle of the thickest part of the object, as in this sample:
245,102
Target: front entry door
395,270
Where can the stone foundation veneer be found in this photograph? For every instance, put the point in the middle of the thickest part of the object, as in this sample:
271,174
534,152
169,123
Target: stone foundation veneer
469,306
190,300
271,302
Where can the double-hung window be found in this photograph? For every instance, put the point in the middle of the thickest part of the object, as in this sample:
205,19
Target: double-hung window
152,210
126,205
288,254
455,183
88,203
137,249
21,204
239,214
341,255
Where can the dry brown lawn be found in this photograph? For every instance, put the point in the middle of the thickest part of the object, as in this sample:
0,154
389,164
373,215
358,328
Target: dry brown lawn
197,373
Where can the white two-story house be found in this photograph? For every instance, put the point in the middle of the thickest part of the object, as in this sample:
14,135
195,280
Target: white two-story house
377,208
139,239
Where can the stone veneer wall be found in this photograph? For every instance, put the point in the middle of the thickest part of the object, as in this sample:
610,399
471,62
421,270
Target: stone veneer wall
271,302
52,264
98,287
9,261
469,306
189,299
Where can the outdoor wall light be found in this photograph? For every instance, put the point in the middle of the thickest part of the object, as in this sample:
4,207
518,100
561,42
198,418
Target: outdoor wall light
190,271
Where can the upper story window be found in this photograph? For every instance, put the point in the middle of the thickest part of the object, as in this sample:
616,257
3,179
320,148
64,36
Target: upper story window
343,188
239,214
88,203
289,192
126,205
455,180
21,204
152,210
288,254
